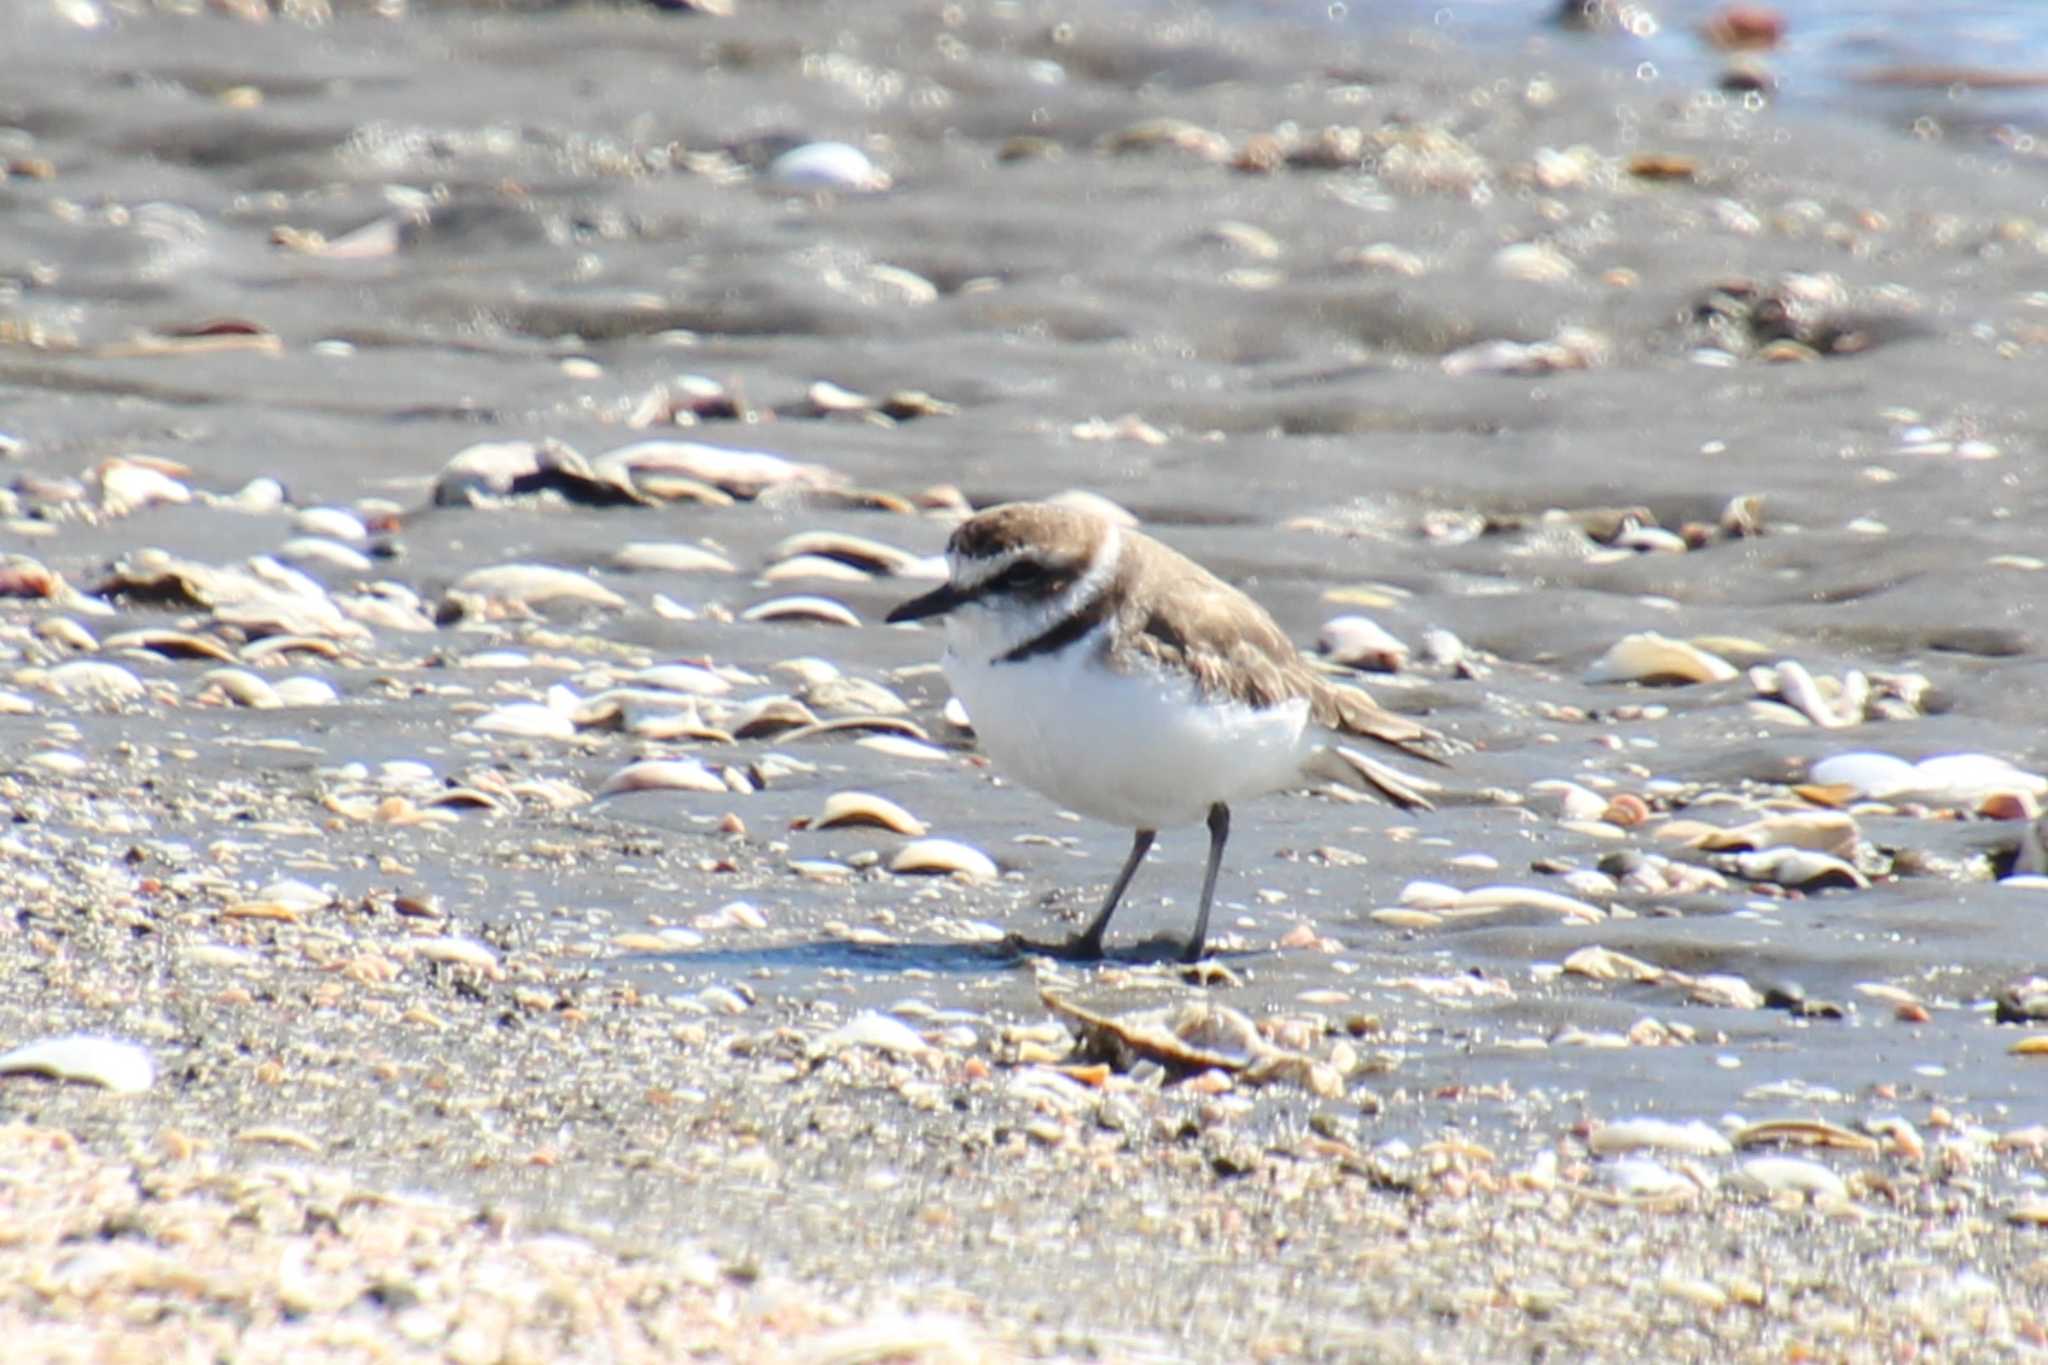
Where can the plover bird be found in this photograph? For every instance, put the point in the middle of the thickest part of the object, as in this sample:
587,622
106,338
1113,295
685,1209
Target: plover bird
1126,682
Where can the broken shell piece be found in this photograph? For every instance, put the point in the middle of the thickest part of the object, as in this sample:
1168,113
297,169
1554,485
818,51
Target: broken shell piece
1196,1039
1648,657
664,774
128,484
124,1068
866,808
1830,703
1827,831
802,607
945,856
1799,867
1570,800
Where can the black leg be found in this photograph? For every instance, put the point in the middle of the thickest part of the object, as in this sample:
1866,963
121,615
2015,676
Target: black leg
1088,943
1219,830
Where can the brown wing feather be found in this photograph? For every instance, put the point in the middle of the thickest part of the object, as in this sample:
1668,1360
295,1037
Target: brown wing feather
1236,652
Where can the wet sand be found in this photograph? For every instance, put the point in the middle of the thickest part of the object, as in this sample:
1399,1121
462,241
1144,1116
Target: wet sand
1494,357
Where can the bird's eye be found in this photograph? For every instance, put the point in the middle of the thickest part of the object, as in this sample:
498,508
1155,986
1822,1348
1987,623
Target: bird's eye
1024,573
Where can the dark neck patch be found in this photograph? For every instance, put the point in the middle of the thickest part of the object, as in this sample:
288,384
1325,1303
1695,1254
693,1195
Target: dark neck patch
1061,633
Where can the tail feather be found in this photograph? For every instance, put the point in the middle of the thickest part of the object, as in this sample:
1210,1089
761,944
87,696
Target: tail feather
1343,764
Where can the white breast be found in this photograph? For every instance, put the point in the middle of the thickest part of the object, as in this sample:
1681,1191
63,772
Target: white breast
1140,750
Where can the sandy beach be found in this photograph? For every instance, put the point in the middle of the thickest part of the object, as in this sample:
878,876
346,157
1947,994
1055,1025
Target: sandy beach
471,837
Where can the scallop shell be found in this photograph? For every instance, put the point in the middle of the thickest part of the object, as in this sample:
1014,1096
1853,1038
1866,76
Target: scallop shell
802,607
945,856
866,808
272,646
862,552
814,566
670,557
171,644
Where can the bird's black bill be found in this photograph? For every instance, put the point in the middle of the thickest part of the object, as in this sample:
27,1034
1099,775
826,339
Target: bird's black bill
937,602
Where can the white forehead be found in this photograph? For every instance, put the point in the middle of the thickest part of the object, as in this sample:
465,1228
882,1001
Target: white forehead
971,571
1094,557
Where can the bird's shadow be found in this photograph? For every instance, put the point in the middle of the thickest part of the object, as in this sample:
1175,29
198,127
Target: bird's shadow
954,958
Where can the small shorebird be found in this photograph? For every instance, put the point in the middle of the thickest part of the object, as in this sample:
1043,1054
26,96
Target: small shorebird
1127,682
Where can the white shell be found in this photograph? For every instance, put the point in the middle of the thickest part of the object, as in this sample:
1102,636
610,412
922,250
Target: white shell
802,607
1658,1135
125,1068
945,856
527,720
532,584
866,808
1648,657
664,774
827,166
1772,1175
670,557
870,1029
1361,642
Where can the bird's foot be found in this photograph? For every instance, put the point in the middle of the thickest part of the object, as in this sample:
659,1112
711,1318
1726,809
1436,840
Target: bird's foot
1080,948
